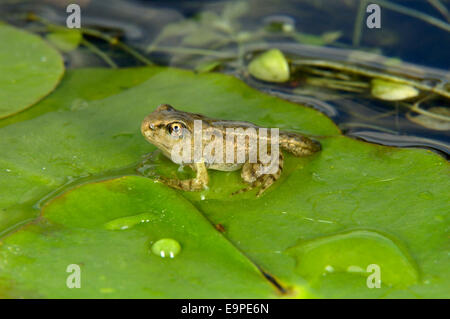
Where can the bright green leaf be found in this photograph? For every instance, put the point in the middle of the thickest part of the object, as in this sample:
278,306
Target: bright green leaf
391,91
270,66
393,202
65,40
29,70
124,263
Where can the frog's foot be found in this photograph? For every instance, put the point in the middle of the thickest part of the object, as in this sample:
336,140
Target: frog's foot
243,190
191,185
253,173
198,183
298,145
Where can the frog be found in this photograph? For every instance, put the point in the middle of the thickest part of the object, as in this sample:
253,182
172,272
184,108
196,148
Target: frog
167,126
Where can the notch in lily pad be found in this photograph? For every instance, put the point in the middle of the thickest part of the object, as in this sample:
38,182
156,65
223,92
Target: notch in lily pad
270,66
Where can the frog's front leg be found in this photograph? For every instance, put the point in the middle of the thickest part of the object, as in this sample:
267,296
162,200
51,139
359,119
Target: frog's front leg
251,174
198,183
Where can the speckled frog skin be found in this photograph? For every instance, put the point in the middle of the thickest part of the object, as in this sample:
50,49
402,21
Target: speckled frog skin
165,126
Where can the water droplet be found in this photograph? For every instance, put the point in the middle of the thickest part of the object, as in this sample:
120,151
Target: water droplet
129,221
352,252
166,248
329,268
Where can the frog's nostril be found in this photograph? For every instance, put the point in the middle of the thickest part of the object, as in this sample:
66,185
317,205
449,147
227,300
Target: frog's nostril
152,127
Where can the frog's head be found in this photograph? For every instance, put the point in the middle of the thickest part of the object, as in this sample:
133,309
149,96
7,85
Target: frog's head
166,126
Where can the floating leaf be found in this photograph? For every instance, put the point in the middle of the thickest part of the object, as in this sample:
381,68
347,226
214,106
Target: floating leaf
270,66
65,40
392,91
32,166
29,70
393,202
313,258
125,263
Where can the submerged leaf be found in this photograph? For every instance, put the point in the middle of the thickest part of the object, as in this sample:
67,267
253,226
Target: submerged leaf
391,91
65,40
109,227
270,66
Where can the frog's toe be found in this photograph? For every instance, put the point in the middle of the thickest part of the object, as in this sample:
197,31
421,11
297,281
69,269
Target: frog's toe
160,179
260,191
243,190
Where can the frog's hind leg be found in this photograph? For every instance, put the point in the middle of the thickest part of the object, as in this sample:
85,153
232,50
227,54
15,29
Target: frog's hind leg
251,173
298,145
198,183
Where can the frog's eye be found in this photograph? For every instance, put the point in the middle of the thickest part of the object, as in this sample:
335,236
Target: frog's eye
175,129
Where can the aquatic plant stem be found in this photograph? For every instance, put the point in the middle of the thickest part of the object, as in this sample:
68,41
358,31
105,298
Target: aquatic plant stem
349,86
115,42
97,34
439,6
415,108
372,74
99,53
357,29
184,50
414,13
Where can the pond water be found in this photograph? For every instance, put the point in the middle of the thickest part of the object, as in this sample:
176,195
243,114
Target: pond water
223,36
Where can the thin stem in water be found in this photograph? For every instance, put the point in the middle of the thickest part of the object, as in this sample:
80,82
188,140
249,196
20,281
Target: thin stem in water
99,53
373,74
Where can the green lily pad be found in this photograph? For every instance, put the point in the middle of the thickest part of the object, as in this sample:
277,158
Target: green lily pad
121,263
393,203
29,70
373,204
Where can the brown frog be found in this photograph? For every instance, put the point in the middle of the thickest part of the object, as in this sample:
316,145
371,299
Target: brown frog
166,127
